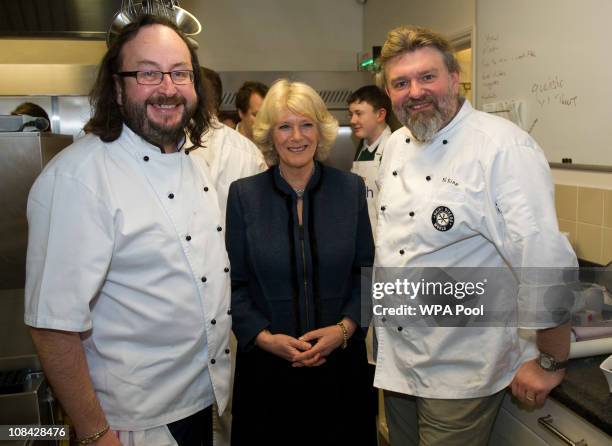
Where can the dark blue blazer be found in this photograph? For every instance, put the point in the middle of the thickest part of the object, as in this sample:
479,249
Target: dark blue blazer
291,279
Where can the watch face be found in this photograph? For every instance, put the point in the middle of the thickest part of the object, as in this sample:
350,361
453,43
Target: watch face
545,362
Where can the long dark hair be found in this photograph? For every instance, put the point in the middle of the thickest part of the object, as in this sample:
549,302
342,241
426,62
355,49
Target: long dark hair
106,119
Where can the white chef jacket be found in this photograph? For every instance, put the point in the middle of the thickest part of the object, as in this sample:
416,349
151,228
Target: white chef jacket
495,181
368,170
229,157
126,246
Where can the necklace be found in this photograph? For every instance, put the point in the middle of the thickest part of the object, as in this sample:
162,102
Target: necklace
298,191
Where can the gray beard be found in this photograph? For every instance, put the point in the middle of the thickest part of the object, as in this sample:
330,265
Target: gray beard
424,128
424,125
135,117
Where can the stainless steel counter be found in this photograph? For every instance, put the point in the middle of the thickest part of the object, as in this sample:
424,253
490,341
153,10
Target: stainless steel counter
22,157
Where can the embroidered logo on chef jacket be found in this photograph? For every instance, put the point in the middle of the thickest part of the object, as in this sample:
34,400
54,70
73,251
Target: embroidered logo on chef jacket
442,218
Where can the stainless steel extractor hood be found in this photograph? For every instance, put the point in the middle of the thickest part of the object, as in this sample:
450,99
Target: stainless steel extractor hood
57,18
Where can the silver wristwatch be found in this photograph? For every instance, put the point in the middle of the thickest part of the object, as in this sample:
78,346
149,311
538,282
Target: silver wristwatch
550,364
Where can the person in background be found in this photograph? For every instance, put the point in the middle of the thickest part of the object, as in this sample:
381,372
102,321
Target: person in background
298,236
461,188
248,102
228,155
127,285
214,88
229,118
34,110
370,113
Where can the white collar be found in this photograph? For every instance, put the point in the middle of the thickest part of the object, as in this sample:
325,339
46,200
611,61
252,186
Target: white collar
138,141
370,148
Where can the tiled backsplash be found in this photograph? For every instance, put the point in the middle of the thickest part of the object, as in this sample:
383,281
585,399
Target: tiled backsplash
586,213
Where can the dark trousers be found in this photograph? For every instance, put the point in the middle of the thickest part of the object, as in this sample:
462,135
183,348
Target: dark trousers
195,430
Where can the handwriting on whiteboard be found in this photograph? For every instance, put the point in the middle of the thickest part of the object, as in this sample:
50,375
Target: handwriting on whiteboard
495,64
552,92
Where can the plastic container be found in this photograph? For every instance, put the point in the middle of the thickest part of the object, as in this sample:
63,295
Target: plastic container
606,368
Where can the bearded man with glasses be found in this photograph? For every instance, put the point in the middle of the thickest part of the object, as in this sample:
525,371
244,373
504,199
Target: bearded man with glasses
127,290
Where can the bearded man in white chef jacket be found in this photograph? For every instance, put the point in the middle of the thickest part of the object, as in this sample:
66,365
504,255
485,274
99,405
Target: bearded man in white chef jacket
459,188
127,289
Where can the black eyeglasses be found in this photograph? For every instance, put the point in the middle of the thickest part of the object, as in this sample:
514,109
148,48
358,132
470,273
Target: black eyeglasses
179,77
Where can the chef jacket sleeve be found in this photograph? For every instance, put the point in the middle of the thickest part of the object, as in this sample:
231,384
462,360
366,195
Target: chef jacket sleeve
529,238
247,319
259,163
70,245
241,158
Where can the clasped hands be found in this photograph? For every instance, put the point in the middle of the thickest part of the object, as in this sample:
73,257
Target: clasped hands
309,350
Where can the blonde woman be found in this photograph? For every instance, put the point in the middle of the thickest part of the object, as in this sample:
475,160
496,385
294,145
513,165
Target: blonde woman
298,236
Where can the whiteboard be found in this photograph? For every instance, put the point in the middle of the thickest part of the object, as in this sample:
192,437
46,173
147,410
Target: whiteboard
554,59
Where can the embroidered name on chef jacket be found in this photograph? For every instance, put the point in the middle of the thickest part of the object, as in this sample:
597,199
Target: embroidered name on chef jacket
442,218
